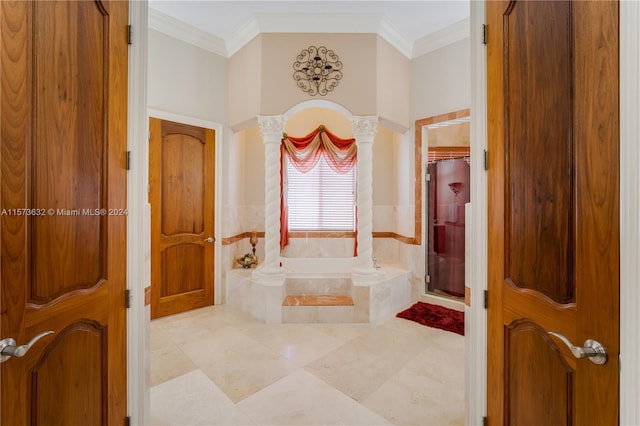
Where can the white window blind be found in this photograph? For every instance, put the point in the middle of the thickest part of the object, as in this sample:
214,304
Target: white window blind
321,199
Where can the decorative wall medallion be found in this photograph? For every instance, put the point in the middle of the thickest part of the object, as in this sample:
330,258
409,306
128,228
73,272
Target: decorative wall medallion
317,70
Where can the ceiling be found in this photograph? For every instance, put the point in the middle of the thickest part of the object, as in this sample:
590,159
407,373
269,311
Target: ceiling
403,23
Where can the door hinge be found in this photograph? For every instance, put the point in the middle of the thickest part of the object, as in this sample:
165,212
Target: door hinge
486,160
127,298
427,177
484,33
427,279
128,165
149,135
485,421
486,299
129,34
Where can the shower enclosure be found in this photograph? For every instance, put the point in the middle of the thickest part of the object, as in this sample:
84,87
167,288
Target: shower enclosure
447,193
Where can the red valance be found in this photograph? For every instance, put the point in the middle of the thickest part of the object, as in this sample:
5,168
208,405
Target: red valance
304,153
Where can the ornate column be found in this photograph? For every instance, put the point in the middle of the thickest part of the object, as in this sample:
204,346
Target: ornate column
364,130
271,128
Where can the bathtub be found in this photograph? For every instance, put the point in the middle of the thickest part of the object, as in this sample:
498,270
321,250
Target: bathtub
374,297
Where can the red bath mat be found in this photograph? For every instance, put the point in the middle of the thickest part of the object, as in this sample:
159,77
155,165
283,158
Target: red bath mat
435,316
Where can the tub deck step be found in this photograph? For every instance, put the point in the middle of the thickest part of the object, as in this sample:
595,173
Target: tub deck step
318,300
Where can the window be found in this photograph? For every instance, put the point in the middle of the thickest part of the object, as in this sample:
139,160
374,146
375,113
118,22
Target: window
321,199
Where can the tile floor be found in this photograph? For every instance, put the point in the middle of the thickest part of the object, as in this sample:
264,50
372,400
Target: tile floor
218,366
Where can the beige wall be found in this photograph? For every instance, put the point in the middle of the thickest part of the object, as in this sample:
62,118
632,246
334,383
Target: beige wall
392,86
441,80
245,84
186,80
356,89
375,78
385,154
233,174
253,167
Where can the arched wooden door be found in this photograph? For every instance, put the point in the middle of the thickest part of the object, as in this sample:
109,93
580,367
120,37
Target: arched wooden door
63,223
181,180
553,211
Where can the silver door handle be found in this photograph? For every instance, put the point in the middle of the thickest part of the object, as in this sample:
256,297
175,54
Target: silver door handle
8,346
209,240
592,349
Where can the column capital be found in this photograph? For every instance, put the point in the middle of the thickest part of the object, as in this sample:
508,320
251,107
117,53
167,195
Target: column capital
271,128
364,128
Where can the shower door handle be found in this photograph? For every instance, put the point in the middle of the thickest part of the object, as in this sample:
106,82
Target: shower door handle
592,349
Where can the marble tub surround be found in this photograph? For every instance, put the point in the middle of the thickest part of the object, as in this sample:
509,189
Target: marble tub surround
375,296
302,374
316,284
318,247
257,297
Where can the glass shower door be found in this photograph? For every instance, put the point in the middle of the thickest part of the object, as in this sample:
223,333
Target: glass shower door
448,192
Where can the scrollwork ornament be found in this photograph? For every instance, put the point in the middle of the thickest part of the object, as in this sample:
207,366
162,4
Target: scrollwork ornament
317,70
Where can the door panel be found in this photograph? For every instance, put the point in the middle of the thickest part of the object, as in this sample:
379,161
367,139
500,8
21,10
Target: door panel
539,232
68,176
183,269
183,191
63,263
539,392
81,386
554,210
181,176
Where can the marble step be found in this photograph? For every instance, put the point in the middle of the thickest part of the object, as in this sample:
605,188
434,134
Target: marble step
317,300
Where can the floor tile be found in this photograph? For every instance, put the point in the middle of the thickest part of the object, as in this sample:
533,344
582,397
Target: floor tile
169,362
297,342
303,399
354,370
412,399
219,366
192,399
238,364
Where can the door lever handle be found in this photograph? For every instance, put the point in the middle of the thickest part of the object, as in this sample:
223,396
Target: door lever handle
8,346
592,349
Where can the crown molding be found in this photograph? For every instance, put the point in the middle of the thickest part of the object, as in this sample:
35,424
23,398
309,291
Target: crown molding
242,36
391,34
318,23
454,32
177,29
300,23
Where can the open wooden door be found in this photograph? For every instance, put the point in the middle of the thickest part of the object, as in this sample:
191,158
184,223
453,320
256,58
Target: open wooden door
181,177
553,211
63,223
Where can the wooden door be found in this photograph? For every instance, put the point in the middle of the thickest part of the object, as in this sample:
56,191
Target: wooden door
554,211
63,192
181,176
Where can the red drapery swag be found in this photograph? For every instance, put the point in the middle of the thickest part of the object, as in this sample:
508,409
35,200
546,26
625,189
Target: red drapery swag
304,153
